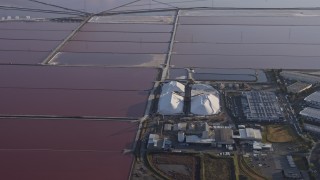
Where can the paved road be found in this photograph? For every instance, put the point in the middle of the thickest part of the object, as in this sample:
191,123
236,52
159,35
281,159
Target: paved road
290,114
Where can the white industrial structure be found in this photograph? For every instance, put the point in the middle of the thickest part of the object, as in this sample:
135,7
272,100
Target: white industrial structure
153,140
250,134
171,98
173,86
204,100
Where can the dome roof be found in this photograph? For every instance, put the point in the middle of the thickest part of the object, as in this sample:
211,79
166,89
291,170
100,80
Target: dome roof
205,104
170,103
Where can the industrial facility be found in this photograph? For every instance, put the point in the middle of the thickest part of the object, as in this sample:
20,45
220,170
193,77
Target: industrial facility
205,100
299,76
313,99
171,101
311,114
159,89
298,87
261,106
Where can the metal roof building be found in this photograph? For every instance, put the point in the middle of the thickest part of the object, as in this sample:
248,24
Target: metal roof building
223,136
261,106
293,75
250,134
298,87
312,128
311,113
313,99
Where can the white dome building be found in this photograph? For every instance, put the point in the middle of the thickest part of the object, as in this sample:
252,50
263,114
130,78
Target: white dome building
172,86
205,104
171,99
170,104
205,100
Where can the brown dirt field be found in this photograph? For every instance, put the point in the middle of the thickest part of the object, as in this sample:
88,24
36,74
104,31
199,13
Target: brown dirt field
280,134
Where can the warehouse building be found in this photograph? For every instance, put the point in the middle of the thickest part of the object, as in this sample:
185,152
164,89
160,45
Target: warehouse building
311,114
261,106
313,99
249,134
312,128
223,137
298,87
298,76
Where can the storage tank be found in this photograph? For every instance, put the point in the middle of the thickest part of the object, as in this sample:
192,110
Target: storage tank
181,136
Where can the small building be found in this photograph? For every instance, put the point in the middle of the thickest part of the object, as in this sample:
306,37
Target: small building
167,127
194,139
181,136
298,87
197,128
199,132
241,126
154,141
250,134
166,145
313,99
180,126
311,114
223,136
291,172
261,146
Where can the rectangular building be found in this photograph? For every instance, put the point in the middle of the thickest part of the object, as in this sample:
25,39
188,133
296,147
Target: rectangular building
261,106
299,76
313,99
311,114
312,128
298,87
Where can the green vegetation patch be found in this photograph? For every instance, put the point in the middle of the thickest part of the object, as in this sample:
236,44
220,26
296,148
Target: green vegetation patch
217,168
175,166
301,162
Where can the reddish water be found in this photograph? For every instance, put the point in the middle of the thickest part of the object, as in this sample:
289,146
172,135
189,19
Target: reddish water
77,77
116,47
118,37
22,57
276,20
39,26
178,74
104,59
248,49
65,149
279,42
72,102
249,34
38,35
259,62
93,6
28,45
97,27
